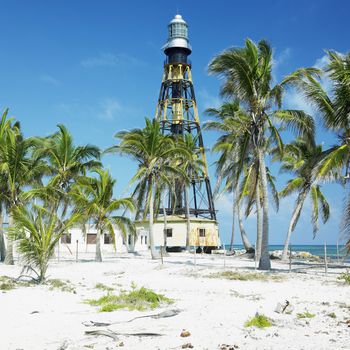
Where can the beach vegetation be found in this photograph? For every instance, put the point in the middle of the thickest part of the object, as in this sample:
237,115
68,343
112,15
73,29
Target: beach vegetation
36,231
332,315
305,314
136,299
7,283
345,277
63,285
103,287
247,78
159,160
93,200
245,276
259,321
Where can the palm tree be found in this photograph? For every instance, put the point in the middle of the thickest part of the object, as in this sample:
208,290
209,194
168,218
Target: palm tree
18,169
65,161
247,78
37,231
333,108
158,157
229,120
93,198
301,157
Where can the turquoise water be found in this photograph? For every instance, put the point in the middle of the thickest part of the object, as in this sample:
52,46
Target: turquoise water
313,249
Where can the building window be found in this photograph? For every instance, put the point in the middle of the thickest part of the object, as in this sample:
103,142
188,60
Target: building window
201,232
108,239
169,232
66,238
91,238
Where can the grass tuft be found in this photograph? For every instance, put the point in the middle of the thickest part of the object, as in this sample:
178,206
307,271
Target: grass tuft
136,299
7,283
103,287
332,315
345,277
63,285
245,276
259,320
305,314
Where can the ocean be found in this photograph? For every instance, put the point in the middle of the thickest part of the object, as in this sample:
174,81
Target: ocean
313,249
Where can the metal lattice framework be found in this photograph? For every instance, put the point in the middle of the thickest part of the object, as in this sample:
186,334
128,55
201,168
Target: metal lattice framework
178,113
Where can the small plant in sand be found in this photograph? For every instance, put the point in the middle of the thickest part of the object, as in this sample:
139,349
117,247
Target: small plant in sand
103,287
332,315
137,299
245,276
345,277
63,285
7,283
305,314
37,231
259,320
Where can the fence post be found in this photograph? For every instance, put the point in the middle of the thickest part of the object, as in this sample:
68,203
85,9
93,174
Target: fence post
325,259
76,251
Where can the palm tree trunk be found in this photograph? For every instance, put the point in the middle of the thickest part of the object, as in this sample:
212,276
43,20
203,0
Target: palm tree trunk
151,211
2,239
258,222
9,250
188,219
98,255
264,262
233,219
165,227
247,245
293,221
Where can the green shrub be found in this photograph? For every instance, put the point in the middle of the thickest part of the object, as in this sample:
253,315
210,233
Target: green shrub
345,277
136,299
305,314
332,315
7,283
259,320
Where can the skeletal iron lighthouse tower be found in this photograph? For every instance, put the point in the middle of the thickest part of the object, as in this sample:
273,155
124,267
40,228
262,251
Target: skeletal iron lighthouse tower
177,111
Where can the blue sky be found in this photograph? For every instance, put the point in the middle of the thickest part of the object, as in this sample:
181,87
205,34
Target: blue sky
96,66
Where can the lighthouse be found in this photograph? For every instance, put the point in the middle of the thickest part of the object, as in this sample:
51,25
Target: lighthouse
190,214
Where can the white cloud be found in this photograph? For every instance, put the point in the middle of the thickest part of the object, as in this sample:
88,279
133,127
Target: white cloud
110,109
111,60
46,78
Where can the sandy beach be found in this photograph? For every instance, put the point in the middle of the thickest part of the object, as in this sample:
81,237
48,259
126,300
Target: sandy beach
213,310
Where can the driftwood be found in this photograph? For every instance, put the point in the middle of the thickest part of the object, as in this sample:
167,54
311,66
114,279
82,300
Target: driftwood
164,314
114,335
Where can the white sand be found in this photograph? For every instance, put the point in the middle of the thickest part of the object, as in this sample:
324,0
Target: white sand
213,310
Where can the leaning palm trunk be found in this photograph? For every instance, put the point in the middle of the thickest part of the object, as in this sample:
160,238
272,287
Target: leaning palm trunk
151,213
293,221
98,255
258,223
264,262
9,250
2,240
188,219
247,245
233,220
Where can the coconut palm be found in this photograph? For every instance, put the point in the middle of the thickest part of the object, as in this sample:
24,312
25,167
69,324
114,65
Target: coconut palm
300,158
333,107
65,161
93,199
37,231
158,157
18,169
229,120
247,77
